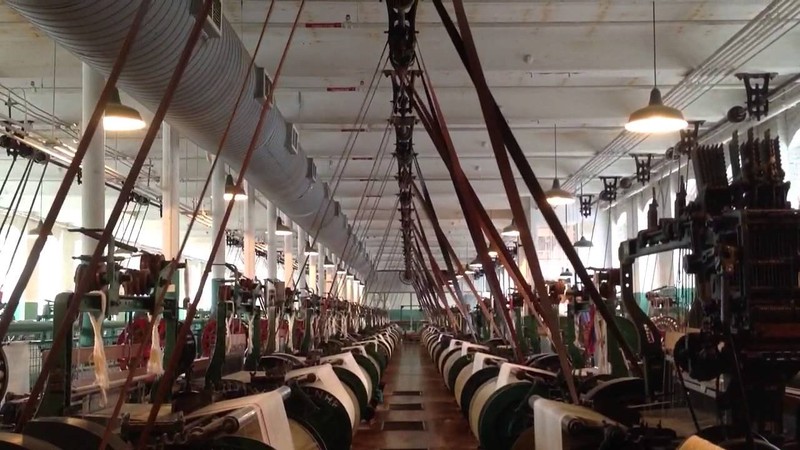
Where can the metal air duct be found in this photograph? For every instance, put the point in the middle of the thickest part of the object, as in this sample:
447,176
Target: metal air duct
94,30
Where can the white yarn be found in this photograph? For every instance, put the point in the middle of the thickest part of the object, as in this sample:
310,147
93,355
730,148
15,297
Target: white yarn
250,327
228,332
290,334
99,351
155,365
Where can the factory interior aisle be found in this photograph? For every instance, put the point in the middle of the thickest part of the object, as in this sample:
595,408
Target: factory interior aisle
418,413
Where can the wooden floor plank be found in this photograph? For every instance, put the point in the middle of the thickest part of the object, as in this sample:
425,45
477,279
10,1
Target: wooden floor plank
412,370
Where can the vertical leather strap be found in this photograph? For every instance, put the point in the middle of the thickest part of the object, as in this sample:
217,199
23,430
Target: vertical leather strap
423,197
538,194
437,129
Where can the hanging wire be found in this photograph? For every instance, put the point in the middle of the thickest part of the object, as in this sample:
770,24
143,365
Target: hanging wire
345,158
16,201
36,193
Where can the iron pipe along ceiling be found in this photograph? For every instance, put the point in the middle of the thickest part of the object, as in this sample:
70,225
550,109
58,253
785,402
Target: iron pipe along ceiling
204,101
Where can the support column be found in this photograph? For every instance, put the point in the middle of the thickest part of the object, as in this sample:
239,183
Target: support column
93,207
329,278
288,256
31,296
524,267
250,233
302,281
321,270
67,263
311,282
272,241
170,201
217,212
600,254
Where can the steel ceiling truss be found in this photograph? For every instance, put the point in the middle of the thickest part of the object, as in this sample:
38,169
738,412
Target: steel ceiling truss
402,55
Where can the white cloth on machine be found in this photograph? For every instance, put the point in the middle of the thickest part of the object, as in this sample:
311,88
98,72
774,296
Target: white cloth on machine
549,417
155,364
99,351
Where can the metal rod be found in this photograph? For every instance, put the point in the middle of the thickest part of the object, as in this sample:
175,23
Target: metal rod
538,194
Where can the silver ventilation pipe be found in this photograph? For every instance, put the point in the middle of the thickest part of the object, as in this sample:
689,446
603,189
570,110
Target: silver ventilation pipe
93,31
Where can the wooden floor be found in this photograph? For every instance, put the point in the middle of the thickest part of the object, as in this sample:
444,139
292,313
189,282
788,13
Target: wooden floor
443,425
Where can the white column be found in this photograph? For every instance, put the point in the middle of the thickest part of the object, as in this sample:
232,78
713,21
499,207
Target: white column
632,206
93,207
524,267
288,256
170,201
329,277
272,242
250,233
302,265
217,211
321,270
603,251
67,263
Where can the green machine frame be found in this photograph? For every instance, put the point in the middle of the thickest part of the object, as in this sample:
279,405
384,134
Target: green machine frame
57,396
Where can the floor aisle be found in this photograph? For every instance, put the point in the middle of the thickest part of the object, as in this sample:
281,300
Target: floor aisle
418,413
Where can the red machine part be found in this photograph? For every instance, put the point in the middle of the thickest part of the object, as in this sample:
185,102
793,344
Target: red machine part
209,337
134,333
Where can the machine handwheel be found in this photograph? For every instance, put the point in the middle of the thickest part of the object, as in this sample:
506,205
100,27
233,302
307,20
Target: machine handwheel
473,384
328,418
502,420
3,373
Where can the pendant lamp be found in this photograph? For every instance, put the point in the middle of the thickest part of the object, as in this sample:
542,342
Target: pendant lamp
565,274
492,251
119,117
328,263
557,196
281,229
232,192
341,270
34,232
656,117
511,230
310,251
476,264
582,242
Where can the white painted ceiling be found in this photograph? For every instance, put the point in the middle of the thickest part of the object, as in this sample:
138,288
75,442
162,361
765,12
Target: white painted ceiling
580,65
